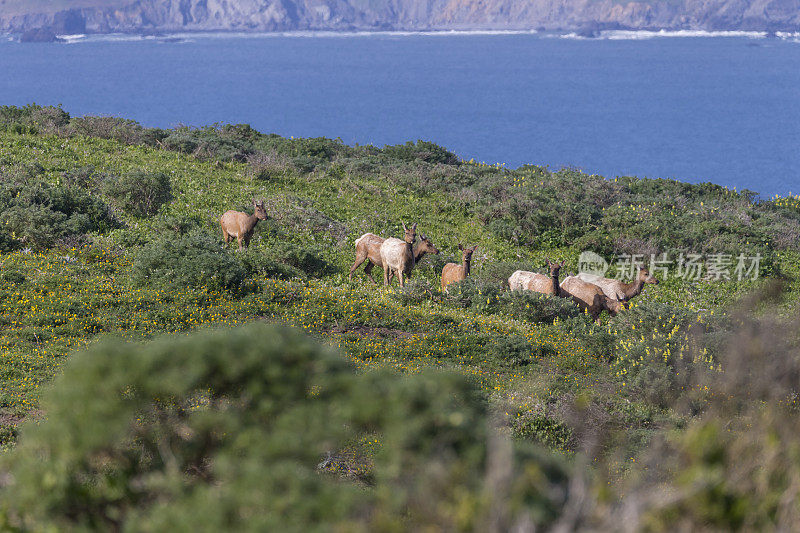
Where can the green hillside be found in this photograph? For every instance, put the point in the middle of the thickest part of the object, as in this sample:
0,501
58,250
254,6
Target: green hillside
112,232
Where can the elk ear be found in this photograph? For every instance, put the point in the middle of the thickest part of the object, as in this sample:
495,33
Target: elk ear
423,236
474,248
460,247
404,226
414,227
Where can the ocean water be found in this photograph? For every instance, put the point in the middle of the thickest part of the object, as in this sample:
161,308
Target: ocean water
720,107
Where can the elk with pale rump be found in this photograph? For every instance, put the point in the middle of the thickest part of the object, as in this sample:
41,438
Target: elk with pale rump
368,249
532,281
453,273
618,290
589,298
397,256
241,225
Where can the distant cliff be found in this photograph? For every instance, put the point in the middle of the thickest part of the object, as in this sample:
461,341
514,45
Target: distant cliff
94,16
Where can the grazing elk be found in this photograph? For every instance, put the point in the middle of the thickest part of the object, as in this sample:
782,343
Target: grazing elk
618,290
368,248
397,256
531,281
589,298
241,225
453,273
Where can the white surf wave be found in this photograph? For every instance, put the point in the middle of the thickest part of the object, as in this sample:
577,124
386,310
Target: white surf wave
645,34
72,38
611,35
186,36
640,35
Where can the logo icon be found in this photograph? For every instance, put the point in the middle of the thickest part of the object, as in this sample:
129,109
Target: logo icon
592,263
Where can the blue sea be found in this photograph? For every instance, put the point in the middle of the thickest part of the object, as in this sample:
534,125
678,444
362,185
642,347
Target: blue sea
720,107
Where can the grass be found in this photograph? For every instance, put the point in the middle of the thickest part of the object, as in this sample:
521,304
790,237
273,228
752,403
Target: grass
55,301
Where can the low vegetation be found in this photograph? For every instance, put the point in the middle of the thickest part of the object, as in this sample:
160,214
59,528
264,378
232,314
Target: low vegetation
479,408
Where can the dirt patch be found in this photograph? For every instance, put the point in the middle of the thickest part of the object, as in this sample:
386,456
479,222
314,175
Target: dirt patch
8,419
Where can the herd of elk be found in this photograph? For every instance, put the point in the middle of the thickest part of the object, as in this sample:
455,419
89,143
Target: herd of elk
398,257
593,294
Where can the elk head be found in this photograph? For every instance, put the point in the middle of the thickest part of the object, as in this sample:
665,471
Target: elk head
555,268
645,276
410,235
425,245
259,210
466,252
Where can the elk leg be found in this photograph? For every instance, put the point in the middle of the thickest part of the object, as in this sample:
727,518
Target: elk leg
385,275
359,260
368,271
400,277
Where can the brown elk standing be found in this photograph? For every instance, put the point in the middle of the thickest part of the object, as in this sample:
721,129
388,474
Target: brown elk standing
241,225
619,290
368,248
589,298
532,281
397,256
453,273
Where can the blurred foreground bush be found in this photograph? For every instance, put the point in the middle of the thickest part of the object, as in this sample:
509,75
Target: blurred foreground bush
240,430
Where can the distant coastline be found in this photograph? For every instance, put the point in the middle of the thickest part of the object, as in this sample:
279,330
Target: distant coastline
182,36
43,21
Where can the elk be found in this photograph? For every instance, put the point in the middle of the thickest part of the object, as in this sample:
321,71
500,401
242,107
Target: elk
453,273
589,297
618,290
531,281
368,248
241,225
397,256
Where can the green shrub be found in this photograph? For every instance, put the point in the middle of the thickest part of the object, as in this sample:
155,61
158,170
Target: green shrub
246,430
259,261
181,141
498,272
82,177
191,260
104,127
178,224
480,295
33,118
414,292
304,163
40,214
511,350
421,150
287,260
139,193
13,277
537,307
538,427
